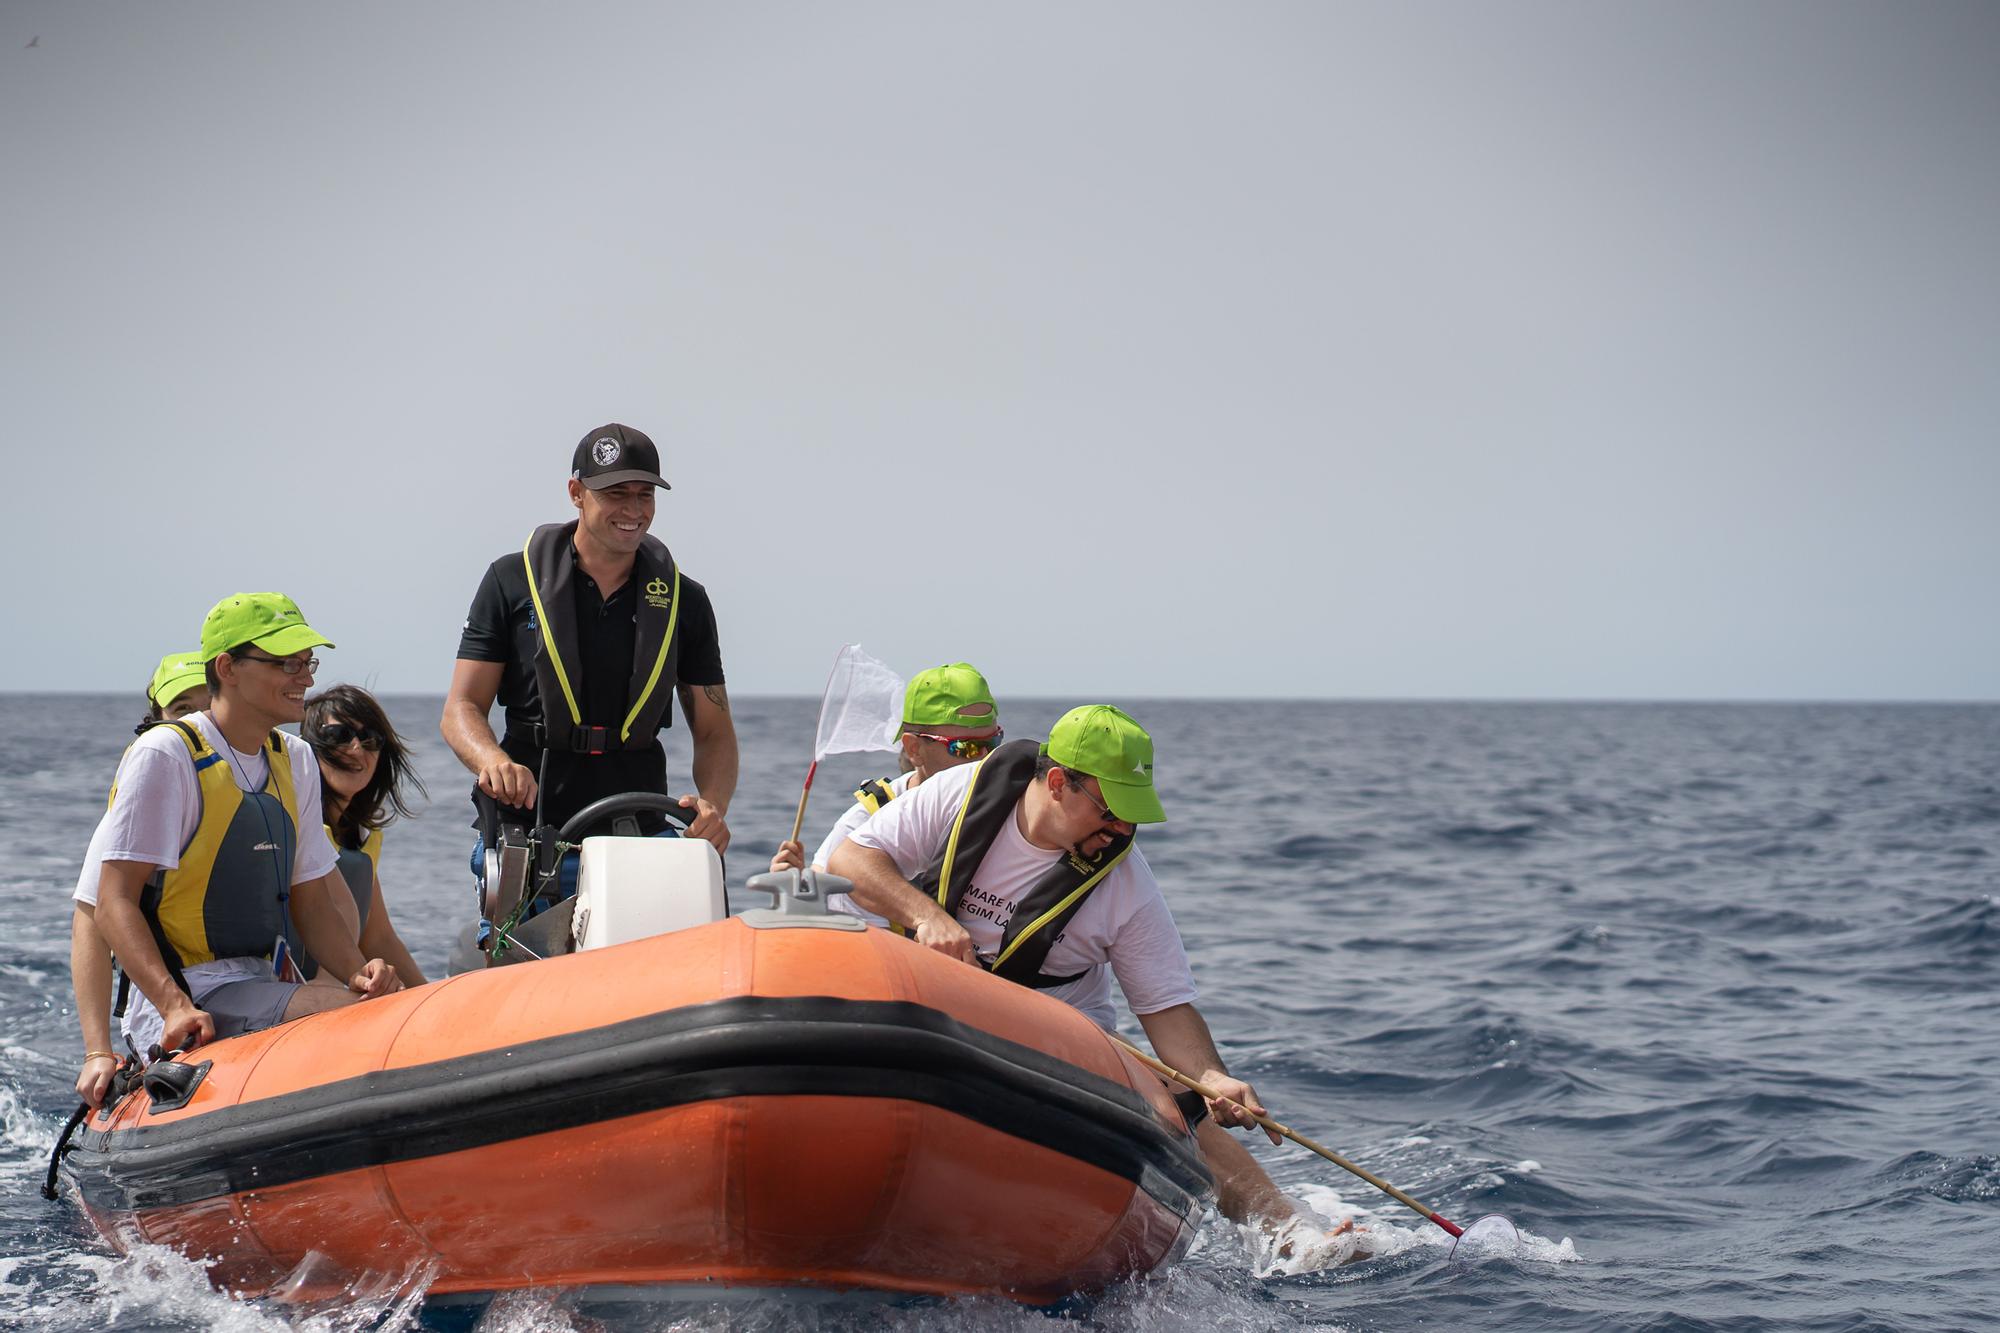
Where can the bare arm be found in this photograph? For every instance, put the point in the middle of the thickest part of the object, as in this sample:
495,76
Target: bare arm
465,728
881,888
124,928
1181,1038
713,733
380,940
325,933
90,977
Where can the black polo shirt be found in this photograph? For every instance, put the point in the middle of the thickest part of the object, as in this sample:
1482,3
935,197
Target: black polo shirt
501,627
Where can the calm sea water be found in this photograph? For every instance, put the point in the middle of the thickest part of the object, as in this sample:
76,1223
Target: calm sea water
1708,992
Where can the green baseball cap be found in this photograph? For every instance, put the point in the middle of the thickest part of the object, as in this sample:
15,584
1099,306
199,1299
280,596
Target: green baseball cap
270,620
949,696
1108,745
176,675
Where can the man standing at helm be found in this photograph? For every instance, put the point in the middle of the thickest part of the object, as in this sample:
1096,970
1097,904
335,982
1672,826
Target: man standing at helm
585,635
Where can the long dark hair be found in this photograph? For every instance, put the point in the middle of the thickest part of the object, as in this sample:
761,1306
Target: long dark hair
386,795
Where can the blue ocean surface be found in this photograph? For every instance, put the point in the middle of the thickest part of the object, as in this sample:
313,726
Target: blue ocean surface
1705,997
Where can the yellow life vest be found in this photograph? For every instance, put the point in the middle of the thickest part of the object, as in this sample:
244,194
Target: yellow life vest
230,895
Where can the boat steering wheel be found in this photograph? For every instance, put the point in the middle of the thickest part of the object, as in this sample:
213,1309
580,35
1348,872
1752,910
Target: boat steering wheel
619,810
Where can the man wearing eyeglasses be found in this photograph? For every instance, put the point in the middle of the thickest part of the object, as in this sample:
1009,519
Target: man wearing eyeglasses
212,862
1026,864
585,636
949,718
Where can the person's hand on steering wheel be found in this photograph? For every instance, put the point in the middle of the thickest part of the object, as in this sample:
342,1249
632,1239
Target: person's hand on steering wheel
708,823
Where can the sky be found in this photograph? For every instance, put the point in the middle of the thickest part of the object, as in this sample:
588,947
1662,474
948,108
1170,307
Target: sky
1348,350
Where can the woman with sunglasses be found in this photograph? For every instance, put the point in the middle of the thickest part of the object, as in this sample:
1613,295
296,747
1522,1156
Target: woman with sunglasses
365,774
949,718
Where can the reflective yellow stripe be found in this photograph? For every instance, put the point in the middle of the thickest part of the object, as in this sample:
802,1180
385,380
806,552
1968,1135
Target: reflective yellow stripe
1059,908
184,889
951,848
659,663
548,640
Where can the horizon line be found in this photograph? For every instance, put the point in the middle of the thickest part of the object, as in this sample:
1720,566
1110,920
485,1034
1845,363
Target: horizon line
1611,699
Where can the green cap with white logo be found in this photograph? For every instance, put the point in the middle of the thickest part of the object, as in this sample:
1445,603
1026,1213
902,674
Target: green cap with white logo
1108,745
949,696
270,620
176,675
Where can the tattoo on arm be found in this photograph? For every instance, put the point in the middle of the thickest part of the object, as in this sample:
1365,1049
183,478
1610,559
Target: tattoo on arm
715,694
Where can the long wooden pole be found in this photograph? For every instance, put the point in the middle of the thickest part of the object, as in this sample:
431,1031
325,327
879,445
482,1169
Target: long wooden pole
799,820
1168,1071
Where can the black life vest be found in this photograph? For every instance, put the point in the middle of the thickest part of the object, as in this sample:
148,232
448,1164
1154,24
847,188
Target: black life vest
998,782
550,558
874,794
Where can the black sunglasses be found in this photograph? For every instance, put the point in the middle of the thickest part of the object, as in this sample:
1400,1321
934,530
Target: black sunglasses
334,735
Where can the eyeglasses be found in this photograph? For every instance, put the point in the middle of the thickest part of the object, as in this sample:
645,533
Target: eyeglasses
335,735
965,747
291,666
1103,810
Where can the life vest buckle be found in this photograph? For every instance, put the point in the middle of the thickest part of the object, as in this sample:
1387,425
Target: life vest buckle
590,740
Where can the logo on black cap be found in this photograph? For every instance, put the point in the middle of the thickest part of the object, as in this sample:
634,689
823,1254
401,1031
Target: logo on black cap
604,451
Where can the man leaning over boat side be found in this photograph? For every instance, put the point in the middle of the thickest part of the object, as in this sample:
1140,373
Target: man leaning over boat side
1026,863
949,718
584,636
213,853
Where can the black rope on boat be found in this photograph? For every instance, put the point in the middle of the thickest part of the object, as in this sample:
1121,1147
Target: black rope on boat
76,1118
123,1080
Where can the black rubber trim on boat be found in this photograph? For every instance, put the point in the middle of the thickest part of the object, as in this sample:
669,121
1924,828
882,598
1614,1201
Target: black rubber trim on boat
750,1046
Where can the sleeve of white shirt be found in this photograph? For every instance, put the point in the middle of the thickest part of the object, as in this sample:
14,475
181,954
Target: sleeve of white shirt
850,819
93,864
853,818
1147,955
315,856
157,806
914,826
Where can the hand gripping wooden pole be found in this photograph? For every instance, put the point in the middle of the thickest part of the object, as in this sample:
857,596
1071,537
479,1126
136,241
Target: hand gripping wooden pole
1167,1071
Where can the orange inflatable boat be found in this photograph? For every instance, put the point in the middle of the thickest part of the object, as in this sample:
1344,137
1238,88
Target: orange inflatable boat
735,1103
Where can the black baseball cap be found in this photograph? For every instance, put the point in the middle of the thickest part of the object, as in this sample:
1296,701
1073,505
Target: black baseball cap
614,453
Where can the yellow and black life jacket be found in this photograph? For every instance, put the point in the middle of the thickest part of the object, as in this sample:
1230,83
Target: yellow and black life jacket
874,794
998,782
550,559
230,895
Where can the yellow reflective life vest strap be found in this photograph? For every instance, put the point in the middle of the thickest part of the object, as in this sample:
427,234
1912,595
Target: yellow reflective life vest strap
1061,907
659,663
548,638
951,845
280,766
873,794
957,827
181,913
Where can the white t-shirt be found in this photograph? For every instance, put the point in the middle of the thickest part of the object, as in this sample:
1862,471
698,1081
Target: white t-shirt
1124,922
155,813
851,819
